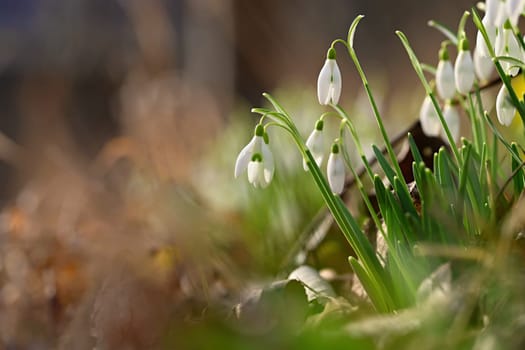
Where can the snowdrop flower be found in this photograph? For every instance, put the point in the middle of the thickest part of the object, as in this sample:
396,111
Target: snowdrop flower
481,45
429,119
505,109
336,170
483,66
329,81
446,87
451,116
257,158
464,68
315,144
507,45
514,9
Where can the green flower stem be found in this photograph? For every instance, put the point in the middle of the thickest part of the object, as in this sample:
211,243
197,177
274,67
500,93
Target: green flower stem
479,114
283,112
328,114
461,26
419,71
355,237
377,115
474,122
444,30
347,122
428,68
375,273
275,116
361,187
498,136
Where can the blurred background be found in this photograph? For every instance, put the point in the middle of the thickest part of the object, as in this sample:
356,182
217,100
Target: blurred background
120,122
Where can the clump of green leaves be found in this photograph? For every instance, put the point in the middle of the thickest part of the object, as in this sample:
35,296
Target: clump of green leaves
453,235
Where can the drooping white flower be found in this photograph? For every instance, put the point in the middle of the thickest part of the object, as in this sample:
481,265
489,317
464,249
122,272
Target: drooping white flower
505,109
315,144
481,45
257,157
445,84
514,10
335,170
246,154
429,118
507,45
329,81
483,66
464,68
451,116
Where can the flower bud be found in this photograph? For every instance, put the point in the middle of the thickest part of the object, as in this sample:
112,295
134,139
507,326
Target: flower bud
336,170
315,144
445,84
505,109
329,81
464,69
429,118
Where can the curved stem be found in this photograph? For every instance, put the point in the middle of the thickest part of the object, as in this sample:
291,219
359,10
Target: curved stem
339,41
377,115
361,189
267,125
355,136
334,114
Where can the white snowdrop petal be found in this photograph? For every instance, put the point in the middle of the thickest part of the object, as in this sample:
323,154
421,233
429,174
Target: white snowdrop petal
507,45
451,116
515,51
514,9
323,83
501,15
505,110
336,173
315,144
491,10
481,45
429,118
499,43
483,66
336,83
244,157
268,163
464,72
256,174
253,171
445,84
329,83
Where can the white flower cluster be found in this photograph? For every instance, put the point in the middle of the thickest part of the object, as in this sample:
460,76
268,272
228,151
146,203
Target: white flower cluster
452,80
329,86
335,167
500,20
